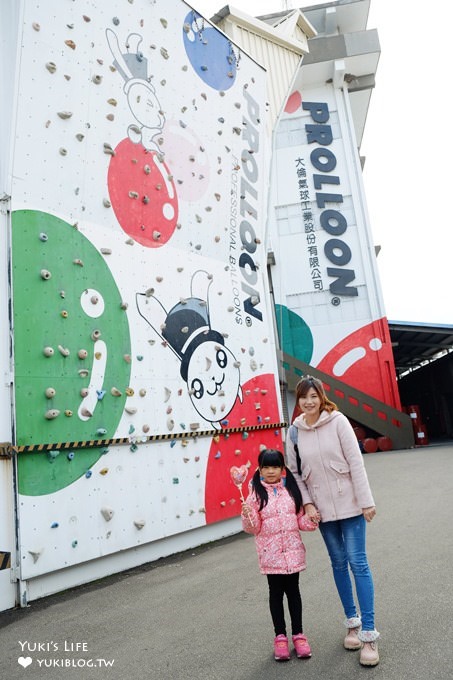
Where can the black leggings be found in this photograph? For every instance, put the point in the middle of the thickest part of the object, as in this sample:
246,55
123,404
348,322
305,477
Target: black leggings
279,584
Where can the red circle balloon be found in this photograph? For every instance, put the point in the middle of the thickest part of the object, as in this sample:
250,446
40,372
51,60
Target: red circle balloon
142,194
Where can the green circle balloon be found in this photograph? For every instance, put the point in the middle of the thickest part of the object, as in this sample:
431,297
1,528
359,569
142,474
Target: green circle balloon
294,334
71,335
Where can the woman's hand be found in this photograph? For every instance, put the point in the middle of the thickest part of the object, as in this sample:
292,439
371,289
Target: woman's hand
369,513
312,513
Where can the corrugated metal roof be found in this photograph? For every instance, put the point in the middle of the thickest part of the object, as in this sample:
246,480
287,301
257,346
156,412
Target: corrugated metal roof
416,343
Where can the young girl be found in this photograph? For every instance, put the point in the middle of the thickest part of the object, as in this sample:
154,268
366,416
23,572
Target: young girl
335,491
273,513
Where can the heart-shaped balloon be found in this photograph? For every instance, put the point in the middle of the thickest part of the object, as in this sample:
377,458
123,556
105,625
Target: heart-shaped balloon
239,474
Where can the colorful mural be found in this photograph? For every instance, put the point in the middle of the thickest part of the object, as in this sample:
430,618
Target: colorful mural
145,363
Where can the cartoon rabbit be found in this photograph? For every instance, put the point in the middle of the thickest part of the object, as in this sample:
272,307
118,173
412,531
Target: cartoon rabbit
141,94
208,367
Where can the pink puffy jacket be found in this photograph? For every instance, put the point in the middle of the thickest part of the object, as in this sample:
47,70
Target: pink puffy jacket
277,531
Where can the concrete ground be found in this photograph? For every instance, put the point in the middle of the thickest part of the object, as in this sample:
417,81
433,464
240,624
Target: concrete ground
203,615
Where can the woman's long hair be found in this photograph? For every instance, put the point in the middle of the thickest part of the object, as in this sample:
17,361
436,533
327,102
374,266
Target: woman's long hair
274,458
307,383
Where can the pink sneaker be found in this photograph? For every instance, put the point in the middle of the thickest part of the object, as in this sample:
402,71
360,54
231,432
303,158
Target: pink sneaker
281,648
301,646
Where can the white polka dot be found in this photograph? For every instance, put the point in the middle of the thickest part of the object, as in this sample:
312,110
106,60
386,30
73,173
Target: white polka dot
375,344
92,303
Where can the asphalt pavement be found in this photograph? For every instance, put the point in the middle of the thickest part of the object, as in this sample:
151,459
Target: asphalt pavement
203,614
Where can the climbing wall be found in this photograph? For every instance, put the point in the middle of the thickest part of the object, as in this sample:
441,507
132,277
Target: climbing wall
145,361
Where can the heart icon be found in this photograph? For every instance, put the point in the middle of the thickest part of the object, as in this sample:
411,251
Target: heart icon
239,474
24,661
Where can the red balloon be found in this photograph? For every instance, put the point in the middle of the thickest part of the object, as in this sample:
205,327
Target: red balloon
370,445
142,194
384,443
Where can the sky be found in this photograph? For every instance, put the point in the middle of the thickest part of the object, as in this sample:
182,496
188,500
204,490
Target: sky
408,145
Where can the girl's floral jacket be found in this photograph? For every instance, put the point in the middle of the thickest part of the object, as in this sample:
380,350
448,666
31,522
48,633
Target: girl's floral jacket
277,531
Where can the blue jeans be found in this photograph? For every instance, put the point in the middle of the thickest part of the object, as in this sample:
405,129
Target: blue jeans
345,543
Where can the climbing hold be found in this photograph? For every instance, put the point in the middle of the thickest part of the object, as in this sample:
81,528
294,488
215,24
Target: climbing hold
224,422
112,101
107,513
106,251
237,452
101,431
86,413
52,413
139,523
167,392
156,235
94,299
133,447
106,204
124,305
64,313
63,351
145,428
115,392
51,67
103,471
84,392
131,429
36,26
100,394
83,372
170,423
194,426
68,413
129,391
96,334
96,79
54,525
74,544
217,455
80,136
43,237
245,435
50,392
88,474
78,262
52,455
64,115
139,357
45,274
70,455
71,44
142,392
131,410
82,354
63,151
36,554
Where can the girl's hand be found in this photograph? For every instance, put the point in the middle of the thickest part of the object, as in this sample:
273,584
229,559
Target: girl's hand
369,513
245,509
312,513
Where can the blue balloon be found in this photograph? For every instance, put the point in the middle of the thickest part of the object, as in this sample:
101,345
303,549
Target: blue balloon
210,53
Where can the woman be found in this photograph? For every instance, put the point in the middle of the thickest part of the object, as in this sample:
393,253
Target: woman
336,493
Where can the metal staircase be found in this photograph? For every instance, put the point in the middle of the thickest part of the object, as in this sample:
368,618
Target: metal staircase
365,410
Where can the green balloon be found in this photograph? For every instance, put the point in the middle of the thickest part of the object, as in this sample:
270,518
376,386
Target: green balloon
65,300
294,334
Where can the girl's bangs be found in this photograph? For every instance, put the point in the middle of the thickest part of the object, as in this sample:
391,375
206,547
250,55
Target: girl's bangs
271,458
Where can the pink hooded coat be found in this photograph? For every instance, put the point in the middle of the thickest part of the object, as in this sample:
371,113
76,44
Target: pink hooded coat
277,531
